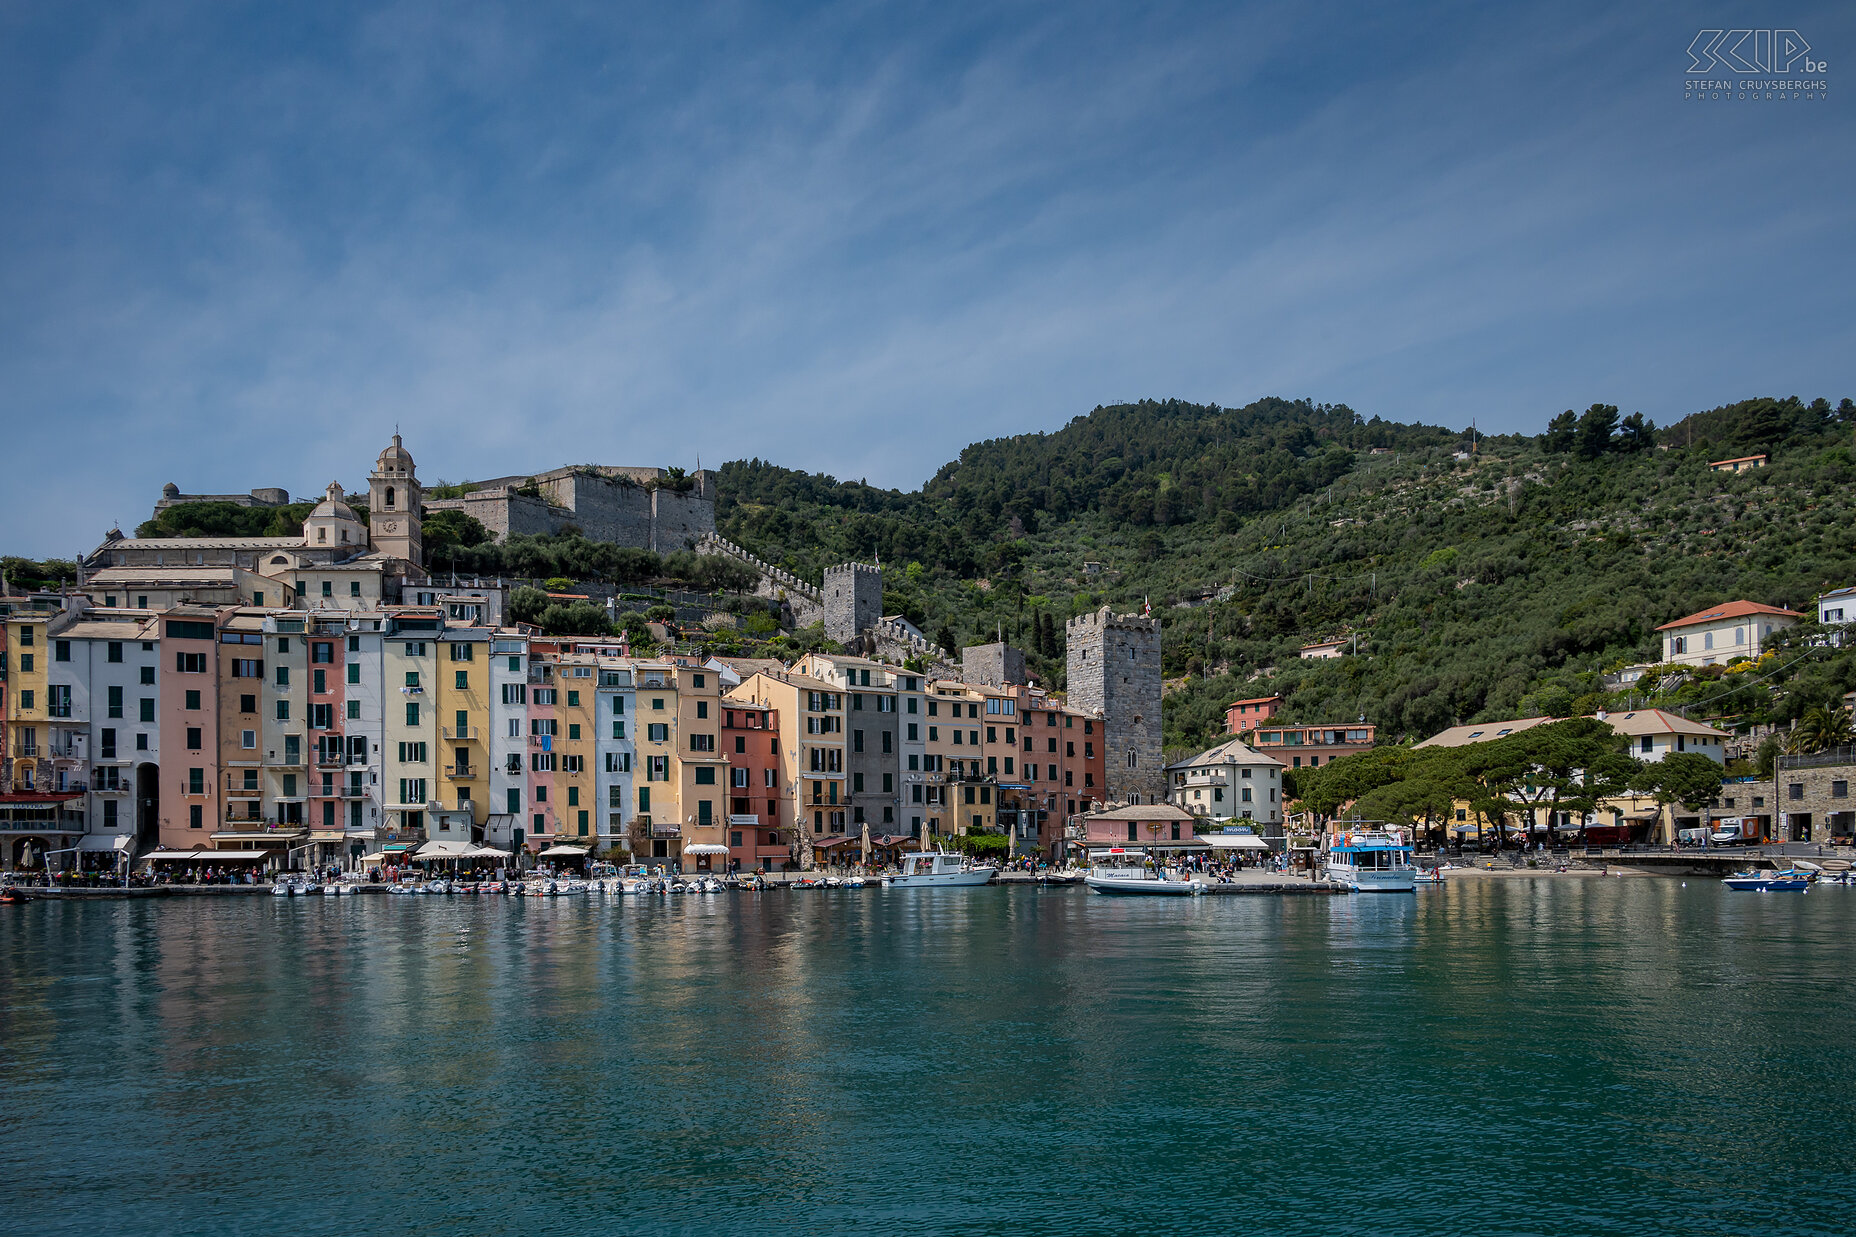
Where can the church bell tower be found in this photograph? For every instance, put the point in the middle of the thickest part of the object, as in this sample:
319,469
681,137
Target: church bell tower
394,505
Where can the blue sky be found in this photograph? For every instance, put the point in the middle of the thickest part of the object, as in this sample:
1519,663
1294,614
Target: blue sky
239,243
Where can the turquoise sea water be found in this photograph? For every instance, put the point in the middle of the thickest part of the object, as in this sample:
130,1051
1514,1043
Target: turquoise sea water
1531,1056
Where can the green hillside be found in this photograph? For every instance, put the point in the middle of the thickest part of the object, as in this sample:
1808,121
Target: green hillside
1498,583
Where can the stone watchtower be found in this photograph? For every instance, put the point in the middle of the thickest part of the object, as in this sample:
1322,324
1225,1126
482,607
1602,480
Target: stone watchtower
1114,667
852,600
395,507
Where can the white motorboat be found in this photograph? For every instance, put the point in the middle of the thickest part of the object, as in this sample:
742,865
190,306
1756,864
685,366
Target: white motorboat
1120,871
933,869
1369,860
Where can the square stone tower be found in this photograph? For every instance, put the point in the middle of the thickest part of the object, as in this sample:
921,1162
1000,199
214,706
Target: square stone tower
1113,663
994,665
853,600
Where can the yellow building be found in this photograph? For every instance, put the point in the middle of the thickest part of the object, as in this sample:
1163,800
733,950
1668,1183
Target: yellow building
27,697
657,835
701,769
461,698
575,776
956,751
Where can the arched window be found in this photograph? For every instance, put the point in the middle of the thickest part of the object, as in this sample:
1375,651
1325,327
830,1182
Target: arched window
389,496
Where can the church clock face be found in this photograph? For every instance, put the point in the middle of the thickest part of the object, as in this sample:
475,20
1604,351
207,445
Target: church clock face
389,526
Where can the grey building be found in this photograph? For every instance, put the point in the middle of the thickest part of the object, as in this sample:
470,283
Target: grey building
876,696
1114,669
1812,794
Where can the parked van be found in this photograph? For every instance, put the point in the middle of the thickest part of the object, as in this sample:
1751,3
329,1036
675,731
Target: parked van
1731,832
1692,837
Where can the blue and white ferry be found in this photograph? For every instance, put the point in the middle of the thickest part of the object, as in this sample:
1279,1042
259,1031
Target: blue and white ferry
1371,860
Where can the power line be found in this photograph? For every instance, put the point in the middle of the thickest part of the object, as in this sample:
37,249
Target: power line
1696,704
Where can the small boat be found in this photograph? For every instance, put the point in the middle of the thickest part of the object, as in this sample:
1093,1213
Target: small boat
1790,880
933,869
807,882
1429,876
1371,860
1122,871
12,896
854,882
712,885
402,889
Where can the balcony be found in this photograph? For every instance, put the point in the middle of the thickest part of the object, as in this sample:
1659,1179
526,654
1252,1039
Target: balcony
461,734
351,792
744,822
463,773
26,751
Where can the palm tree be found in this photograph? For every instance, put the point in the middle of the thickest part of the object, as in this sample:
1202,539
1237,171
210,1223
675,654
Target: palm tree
1818,730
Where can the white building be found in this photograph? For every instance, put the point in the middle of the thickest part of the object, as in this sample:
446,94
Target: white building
1232,781
1654,734
508,738
1721,633
1837,608
104,736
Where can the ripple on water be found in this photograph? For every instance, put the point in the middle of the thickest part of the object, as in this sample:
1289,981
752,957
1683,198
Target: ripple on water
1495,1057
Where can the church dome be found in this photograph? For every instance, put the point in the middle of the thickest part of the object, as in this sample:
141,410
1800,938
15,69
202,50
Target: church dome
395,459
332,507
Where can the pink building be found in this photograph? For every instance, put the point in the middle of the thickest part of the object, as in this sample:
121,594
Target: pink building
1163,828
189,711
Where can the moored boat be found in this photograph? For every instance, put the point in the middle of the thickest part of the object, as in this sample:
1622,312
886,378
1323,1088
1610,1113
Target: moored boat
1371,860
1121,871
1790,880
931,869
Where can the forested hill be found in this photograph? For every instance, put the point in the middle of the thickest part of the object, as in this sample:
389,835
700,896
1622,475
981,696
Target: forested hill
1480,584
1151,464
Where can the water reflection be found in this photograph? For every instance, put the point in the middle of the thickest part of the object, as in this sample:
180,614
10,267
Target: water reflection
1629,1055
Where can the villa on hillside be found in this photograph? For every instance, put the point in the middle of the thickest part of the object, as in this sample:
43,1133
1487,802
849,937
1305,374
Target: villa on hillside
1719,633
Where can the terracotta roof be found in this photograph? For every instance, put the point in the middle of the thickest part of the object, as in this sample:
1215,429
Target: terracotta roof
1143,811
1483,732
1656,721
1730,610
1260,699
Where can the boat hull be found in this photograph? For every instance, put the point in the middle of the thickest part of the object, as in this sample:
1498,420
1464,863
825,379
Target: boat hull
1766,884
1137,886
942,880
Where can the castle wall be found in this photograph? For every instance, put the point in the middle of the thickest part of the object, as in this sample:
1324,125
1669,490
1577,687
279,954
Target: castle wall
1113,666
606,504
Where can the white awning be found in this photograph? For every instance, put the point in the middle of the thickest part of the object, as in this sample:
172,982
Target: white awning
444,850
486,852
705,848
236,856
563,851
375,857
106,841
174,854
1234,841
